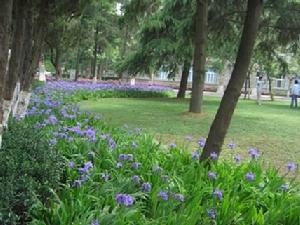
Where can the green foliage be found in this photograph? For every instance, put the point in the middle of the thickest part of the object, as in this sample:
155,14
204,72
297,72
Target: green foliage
29,167
49,67
71,39
37,83
84,139
94,95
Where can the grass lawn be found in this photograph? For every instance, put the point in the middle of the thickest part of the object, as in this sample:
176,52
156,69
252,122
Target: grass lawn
273,127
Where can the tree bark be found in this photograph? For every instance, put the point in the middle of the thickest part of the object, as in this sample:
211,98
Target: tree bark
199,56
247,85
24,70
223,117
40,29
78,55
28,44
77,64
34,52
5,23
270,88
11,91
95,53
16,51
184,80
124,49
99,71
58,63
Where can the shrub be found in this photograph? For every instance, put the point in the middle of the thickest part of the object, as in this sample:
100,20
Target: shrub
29,167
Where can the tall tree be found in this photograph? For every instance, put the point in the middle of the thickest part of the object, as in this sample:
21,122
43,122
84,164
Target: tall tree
231,96
16,59
199,56
184,79
5,23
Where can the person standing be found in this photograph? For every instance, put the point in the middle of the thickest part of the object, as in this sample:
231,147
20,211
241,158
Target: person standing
294,94
259,86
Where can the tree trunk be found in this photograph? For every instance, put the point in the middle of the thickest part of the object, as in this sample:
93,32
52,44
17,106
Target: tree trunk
58,63
77,64
78,55
247,86
28,45
16,51
11,91
33,59
40,29
270,88
199,56
24,70
223,117
94,64
5,23
124,49
99,71
247,82
184,80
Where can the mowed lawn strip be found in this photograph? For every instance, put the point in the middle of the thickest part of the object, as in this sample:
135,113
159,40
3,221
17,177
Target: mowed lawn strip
273,127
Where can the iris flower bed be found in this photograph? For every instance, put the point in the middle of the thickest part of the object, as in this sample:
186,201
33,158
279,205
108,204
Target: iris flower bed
122,176
83,90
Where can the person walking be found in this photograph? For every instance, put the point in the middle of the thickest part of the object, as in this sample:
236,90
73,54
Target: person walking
259,86
294,94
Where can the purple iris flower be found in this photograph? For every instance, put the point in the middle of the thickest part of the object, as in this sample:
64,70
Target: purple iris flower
77,183
231,145
201,142
129,157
105,176
237,158
136,165
212,175
52,120
172,145
218,194
146,187
163,195
62,135
77,130
85,169
71,164
53,141
179,197
135,179
112,144
254,153
122,157
291,166
103,136
124,199
214,156
95,222
119,165
250,176
91,134
195,155
212,213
